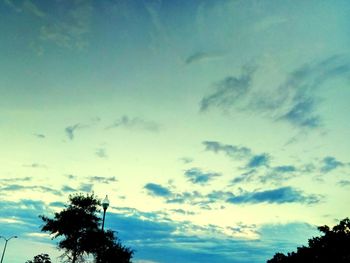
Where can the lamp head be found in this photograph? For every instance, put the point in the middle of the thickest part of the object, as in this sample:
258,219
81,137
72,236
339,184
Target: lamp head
105,203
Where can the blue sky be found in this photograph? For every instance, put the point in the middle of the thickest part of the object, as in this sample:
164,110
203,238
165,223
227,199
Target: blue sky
218,129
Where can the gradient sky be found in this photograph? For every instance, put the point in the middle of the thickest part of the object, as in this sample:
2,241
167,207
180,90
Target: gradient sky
218,129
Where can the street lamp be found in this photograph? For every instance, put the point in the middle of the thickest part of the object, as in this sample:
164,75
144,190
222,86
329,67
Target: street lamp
105,204
6,240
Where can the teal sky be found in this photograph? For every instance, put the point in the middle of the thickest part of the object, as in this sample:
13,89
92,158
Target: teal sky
218,129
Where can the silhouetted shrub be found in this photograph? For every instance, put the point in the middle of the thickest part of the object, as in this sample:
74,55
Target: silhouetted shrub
332,247
42,258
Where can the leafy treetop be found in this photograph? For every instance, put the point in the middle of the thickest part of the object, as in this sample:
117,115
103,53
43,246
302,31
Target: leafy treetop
332,246
78,225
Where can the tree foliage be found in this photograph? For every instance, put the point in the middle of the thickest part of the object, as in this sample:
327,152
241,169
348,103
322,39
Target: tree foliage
332,246
42,258
110,250
78,227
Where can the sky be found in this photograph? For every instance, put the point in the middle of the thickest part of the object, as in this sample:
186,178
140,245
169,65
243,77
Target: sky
218,129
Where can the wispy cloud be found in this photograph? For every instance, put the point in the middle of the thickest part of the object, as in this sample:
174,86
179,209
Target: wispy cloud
70,130
103,179
18,187
186,160
24,211
159,32
67,189
197,176
35,165
39,135
183,212
232,151
16,179
294,100
245,231
11,221
71,176
135,123
285,169
259,168
202,56
302,113
244,177
278,195
26,6
101,153
195,198
216,195
228,91
189,197
344,183
157,190
278,174
70,30
330,163
86,187
57,204
258,160
275,175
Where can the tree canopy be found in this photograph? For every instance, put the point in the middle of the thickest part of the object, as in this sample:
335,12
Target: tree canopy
78,226
332,246
42,258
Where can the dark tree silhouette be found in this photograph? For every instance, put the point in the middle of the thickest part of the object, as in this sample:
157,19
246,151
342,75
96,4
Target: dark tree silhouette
109,249
42,258
79,228
332,246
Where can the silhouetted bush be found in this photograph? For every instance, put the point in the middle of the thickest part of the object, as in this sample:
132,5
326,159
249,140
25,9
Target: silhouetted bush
332,247
42,258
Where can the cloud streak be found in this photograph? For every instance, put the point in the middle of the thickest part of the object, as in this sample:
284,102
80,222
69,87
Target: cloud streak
259,168
197,176
278,196
228,91
202,56
232,151
17,187
103,179
329,163
157,190
194,198
70,30
135,123
39,135
294,100
16,179
258,160
35,165
70,130
101,153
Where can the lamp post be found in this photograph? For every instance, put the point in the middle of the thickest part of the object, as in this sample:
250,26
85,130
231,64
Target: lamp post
105,204
6,240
